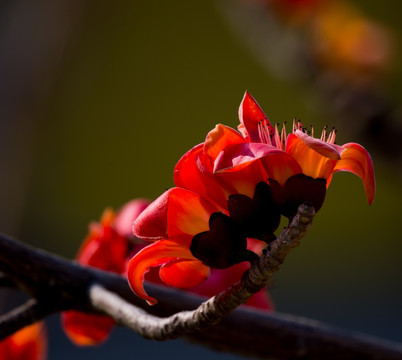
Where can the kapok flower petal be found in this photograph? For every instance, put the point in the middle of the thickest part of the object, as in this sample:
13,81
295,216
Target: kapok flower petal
250,114
184,274
276,164
156,254
104,249
356,159
325,149
194,172
219,138
242,179
123,223
86,329
176,212
29,343
316,158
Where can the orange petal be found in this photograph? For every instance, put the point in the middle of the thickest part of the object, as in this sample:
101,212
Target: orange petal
184,274
322,147
219,138
86,329
356,159
156,254
176,212
316,158
29,343
243,178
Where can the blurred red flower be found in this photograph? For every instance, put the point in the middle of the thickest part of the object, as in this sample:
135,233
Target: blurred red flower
29,343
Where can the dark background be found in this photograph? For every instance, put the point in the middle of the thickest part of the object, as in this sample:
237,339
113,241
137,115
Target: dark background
99,100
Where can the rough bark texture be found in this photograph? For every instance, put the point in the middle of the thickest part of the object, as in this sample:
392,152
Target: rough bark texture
57,284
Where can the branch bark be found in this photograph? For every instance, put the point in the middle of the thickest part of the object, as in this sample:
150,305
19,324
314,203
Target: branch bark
213,310
62,285
23,315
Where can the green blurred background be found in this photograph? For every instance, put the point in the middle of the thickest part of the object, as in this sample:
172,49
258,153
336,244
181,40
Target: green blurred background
100,101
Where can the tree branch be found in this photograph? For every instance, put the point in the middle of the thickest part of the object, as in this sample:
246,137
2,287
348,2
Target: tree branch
6,282
22,316
256,333
214,309
67,285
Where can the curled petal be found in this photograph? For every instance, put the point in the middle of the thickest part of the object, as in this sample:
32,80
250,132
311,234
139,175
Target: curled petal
356,159
250,114
184,274
86,329
219,138
316,158
242,179
194,172
176,212
156,254
276,163
325,149
186,172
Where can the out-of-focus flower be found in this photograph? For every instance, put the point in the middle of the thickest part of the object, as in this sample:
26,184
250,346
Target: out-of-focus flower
29,343
345,39
233,187
338,35
106,247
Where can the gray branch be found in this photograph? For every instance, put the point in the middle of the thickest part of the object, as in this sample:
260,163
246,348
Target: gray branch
213,310
57,284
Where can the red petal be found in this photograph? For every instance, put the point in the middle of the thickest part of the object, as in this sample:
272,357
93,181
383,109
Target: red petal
243,179
29,343
86,329
104,250
184,274
176,212
356,159
316,158
250,114
276,163
123,222
219,138
328,150
156,254
194,172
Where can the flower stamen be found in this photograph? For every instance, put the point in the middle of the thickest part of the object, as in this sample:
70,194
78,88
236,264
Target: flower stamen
324,133
264,132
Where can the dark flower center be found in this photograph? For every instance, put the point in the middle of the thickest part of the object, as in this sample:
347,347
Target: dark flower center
225,244
298,189
258,217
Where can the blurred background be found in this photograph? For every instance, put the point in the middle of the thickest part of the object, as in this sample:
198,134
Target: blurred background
99,100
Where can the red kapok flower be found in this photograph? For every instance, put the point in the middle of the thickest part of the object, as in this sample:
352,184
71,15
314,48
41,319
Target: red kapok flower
221,279
299,167
232,187
29,343
106,247
190,234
